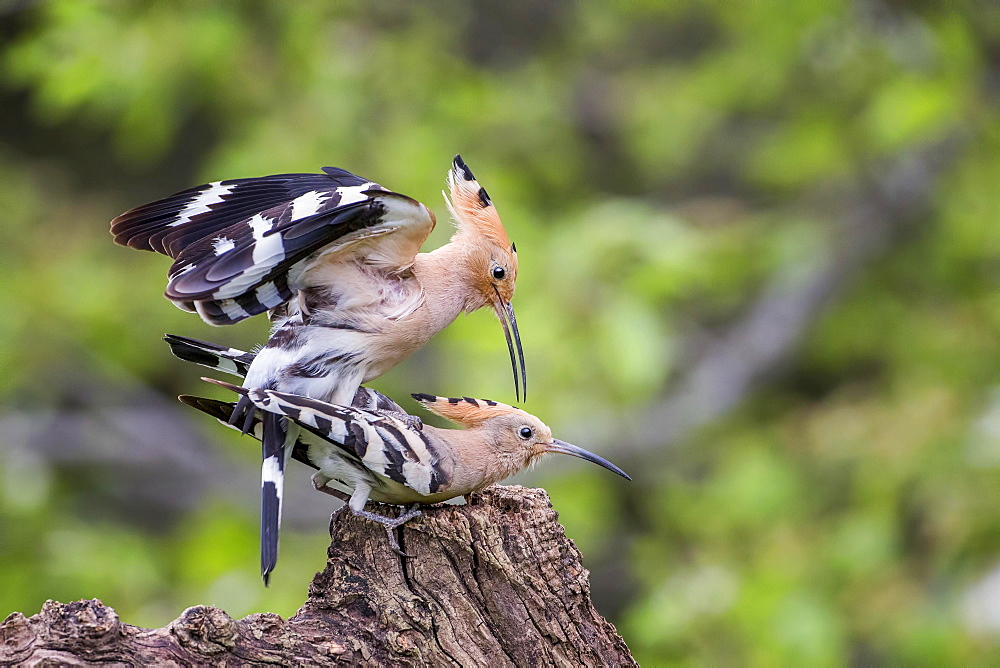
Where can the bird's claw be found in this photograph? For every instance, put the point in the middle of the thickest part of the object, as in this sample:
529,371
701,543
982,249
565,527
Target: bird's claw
411,513
242,416
391,524
394,543
411,421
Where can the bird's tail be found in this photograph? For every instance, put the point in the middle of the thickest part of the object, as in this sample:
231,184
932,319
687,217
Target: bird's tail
279,440
229,360
277,443
222,410
210,355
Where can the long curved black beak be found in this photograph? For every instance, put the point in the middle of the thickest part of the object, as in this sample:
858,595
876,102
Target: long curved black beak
505,312
565,448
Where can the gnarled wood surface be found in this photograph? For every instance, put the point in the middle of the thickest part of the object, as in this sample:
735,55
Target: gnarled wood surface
492,583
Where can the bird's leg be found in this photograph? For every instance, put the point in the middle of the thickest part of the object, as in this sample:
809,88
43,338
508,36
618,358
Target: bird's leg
303,305
391,523
357,505
319,484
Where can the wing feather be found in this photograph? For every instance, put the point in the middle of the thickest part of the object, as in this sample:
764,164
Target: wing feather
244,246
384,444
197,212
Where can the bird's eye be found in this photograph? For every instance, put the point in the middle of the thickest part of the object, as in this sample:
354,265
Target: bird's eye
499,273
525,433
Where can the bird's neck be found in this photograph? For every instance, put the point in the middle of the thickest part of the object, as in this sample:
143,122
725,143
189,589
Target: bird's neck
447,282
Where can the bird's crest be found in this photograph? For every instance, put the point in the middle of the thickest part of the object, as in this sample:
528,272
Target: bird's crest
465,411
471,206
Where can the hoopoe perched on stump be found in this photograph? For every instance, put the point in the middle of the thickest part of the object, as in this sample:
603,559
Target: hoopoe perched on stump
381,458
332,258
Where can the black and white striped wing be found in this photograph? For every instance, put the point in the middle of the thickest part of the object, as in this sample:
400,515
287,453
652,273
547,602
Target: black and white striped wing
173,223
383,444
245,246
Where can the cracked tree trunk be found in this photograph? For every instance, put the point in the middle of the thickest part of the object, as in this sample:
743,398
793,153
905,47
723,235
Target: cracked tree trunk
495,583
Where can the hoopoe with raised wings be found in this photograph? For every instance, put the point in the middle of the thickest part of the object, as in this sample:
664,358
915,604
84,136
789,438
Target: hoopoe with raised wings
333,260
384,459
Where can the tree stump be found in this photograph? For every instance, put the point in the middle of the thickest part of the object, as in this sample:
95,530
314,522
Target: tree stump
495,582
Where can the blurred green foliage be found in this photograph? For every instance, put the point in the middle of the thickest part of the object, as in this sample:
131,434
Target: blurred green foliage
657,164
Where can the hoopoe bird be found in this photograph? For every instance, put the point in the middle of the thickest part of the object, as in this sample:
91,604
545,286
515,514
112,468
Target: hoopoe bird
376,457
333,259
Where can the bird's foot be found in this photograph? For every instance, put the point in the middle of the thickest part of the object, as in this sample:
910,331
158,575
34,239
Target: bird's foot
391,524
411,421
243,414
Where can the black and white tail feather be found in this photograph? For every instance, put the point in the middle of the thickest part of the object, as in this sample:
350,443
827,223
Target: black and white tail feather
219,358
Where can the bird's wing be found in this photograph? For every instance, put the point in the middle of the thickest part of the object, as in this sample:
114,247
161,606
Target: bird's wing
171,224
384,445
245,246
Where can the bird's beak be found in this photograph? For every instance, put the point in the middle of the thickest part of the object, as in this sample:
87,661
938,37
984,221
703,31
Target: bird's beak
505,312
565,448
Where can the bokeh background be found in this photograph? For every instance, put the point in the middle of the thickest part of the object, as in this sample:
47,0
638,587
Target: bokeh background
759,263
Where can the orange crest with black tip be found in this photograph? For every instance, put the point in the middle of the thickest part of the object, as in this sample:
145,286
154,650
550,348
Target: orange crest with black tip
465,411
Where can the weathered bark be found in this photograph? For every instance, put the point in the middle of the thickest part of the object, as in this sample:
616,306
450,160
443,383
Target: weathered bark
495,582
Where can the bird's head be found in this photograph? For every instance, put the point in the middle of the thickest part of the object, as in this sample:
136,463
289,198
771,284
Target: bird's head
491,258
516,437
